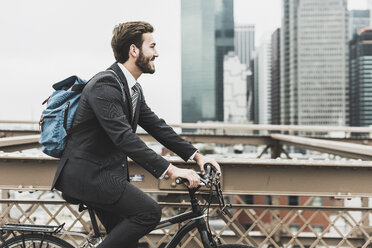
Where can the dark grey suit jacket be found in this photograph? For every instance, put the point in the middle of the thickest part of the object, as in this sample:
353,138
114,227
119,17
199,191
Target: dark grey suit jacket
94,166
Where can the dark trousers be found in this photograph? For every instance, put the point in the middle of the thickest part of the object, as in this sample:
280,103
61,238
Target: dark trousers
133,216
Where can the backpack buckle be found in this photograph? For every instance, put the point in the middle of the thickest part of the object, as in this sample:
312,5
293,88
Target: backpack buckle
46,100
41,122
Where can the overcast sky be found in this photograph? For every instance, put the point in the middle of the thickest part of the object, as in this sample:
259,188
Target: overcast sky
45,41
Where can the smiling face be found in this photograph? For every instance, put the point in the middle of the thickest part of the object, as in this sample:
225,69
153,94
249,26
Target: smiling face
147,54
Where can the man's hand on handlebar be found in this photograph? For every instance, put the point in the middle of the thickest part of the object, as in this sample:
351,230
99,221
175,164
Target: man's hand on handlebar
191,176
201,160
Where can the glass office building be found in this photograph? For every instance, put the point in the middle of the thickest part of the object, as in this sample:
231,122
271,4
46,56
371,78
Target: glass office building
244,42
360,79
275,77
314,66
358,19
207,35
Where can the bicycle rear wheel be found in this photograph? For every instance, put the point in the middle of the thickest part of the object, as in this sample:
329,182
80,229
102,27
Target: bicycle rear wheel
35,240
234,246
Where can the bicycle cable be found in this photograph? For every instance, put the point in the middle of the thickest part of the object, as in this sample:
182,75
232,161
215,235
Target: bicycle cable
210,201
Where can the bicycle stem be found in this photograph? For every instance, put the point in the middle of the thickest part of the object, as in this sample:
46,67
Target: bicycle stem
194,202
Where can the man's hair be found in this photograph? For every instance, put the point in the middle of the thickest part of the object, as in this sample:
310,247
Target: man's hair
126,34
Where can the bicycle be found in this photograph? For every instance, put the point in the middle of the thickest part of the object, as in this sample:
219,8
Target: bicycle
42,236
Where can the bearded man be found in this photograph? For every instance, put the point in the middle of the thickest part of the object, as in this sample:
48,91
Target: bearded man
94,167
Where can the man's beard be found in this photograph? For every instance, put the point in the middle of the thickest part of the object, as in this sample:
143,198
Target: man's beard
144,63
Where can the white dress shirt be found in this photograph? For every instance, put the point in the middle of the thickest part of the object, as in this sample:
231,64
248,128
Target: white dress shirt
130,79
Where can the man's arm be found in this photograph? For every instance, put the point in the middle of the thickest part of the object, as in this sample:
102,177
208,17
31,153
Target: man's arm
163,133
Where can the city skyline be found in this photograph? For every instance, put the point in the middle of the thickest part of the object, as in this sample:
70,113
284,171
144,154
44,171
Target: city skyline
45,42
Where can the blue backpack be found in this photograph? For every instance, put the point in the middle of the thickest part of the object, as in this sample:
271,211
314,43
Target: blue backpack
57,119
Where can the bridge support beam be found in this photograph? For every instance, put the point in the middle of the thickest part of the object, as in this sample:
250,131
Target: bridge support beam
252,176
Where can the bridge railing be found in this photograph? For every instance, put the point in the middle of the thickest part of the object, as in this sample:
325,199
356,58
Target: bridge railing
261,225
276,203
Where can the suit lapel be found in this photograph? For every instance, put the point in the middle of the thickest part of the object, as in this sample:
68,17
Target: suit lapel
119,72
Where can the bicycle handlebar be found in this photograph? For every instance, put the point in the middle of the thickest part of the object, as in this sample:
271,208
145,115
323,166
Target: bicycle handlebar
210,179
204,178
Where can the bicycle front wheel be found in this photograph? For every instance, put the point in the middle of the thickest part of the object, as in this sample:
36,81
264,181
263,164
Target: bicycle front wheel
234,246
35,240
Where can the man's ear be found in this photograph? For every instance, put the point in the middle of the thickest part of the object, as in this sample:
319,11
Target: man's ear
133,50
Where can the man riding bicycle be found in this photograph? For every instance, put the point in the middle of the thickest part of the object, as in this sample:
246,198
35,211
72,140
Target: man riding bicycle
94,167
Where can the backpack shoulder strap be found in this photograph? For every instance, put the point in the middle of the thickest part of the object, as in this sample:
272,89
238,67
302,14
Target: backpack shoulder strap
119,82
90,123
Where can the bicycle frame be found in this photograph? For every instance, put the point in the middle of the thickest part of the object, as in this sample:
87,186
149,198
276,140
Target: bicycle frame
195,222
196,218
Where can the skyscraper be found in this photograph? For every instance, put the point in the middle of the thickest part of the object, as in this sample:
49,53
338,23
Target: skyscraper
288,36
357,19
360,79
275,77
224,35
244,42
369,7
198,60
253,88
263,80
260,80
314,62
207,35
235,89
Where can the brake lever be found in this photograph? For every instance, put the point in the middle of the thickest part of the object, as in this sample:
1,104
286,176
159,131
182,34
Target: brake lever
204,180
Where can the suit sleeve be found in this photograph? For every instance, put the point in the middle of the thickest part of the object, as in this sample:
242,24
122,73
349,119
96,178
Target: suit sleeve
105,98
163,133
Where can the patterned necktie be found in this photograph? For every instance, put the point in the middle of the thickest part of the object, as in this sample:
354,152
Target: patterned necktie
135,95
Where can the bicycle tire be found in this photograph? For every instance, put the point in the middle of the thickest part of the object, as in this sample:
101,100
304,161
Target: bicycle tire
234,246
34,240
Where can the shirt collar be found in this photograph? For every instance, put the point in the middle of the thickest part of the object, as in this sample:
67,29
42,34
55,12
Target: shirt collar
130,79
